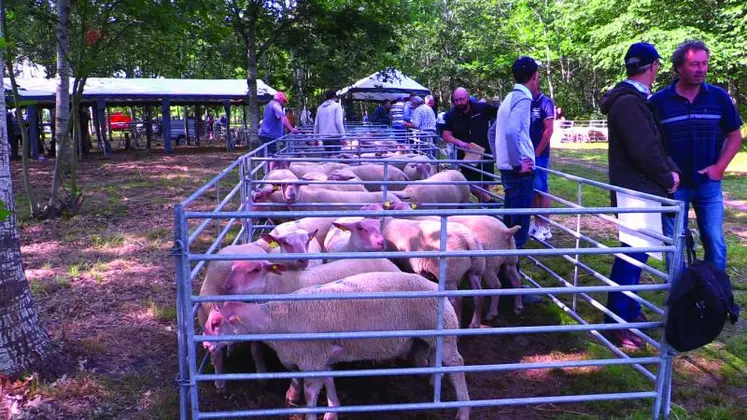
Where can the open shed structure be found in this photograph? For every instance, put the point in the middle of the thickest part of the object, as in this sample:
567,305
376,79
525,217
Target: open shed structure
100,93
386,84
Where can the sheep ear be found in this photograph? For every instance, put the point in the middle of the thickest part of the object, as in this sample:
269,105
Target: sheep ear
512,231
312,235
271,240
340,226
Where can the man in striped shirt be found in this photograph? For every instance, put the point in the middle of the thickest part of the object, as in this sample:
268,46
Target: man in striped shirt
702,126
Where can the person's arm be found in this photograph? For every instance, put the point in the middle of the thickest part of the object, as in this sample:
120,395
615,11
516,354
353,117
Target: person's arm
416,120
288,125
316,123
338,121
732,145
639,141
546,136
449,138
517,124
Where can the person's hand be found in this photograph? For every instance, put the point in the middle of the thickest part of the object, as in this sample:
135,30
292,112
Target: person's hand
714,172
526,166
295,130
676,184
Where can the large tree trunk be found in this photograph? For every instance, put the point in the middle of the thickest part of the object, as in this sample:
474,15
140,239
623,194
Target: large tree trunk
23,342
251,80
62,101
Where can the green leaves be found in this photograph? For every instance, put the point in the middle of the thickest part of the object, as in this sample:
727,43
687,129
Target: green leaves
4,213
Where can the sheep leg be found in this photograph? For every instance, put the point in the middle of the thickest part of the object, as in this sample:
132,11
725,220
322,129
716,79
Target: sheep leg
259,361
294,392
474,283
457,379
216,357
513,275
492,282
311,388
332,399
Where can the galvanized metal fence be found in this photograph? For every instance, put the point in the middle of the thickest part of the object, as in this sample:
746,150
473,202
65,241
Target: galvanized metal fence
209,218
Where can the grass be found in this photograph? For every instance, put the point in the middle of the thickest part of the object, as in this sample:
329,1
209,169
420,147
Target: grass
107,240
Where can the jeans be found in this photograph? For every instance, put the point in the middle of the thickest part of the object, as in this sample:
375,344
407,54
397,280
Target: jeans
708,202
518,190
625,274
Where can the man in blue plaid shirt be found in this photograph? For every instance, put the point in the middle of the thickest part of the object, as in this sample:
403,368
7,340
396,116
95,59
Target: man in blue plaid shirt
423,117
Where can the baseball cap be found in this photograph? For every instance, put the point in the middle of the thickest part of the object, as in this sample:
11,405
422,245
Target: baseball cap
524,67
641,54
279,96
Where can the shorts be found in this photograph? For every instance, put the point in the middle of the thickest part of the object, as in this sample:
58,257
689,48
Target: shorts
540,177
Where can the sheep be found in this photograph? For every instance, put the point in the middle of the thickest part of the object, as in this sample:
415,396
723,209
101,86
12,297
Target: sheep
264,278
339,175
425,191
420,168
216,273
294,194
371,172
424,235
319,225
302,168
297,241
493,235
351,234
344,316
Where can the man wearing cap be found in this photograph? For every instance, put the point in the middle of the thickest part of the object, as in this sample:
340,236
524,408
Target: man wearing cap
273,121
702,128
466,124
423,117
637,161
514,152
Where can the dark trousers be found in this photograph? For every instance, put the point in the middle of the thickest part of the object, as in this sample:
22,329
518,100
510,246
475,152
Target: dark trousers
518,189
625,274
272,148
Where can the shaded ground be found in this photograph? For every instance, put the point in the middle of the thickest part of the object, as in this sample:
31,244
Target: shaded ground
104,286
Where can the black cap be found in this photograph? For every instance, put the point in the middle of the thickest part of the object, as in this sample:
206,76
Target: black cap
523,68
641,54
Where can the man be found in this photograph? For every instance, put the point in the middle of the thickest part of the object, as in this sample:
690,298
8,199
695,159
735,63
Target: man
466,124
423,117
542,119
701,126
273,121
514,152
407,108
329,120
637,161
381,113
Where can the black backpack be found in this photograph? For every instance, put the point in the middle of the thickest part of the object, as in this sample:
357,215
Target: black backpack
699,303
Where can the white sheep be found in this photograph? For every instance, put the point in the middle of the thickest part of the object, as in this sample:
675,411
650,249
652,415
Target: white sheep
320,225
354,234
297,241
372,172
425,235
426,191
344,316
420,168
295,196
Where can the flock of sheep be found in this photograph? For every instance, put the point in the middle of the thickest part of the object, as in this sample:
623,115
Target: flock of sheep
421,182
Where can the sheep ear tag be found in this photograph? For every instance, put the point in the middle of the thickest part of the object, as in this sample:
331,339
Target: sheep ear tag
413,206
387,204
275,187
274,244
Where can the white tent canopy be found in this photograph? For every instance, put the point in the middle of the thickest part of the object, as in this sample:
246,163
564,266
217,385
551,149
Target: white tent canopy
113,89
388,84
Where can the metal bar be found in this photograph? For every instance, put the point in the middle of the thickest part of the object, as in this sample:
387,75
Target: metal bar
424,333
426,370
181,318
200,191
430,405
218,208
438,378
213,246
580,197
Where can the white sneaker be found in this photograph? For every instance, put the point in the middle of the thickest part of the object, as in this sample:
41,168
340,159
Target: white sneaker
534,232
545,232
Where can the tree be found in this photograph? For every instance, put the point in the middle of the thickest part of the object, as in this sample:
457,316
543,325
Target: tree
24,344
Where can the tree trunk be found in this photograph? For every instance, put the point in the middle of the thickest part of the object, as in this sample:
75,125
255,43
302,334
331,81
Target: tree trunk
251,80
24,344
62,100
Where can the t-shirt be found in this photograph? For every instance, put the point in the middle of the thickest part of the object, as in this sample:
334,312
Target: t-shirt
424,118
471,127
542,109
272,121
397,112
695,132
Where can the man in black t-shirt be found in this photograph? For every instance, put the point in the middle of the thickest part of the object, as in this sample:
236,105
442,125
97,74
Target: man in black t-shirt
467,123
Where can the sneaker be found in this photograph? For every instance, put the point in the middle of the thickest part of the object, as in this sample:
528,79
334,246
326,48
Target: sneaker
545,232
625,339
534,232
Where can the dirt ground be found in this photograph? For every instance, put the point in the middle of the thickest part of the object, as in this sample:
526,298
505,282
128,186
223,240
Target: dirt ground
104,285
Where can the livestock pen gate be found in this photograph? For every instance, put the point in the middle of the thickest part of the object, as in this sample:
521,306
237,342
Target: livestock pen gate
566,271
